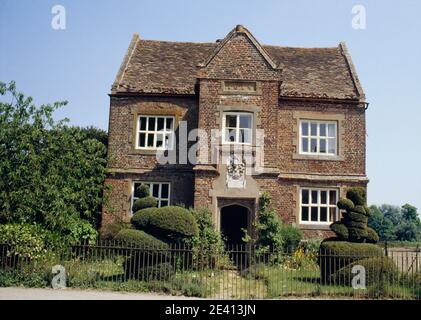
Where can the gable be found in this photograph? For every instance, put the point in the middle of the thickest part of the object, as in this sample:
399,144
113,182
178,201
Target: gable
239,56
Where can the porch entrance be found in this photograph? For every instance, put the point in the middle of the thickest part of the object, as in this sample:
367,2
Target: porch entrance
234,219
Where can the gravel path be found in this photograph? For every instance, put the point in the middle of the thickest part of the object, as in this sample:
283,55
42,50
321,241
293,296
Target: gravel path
72,294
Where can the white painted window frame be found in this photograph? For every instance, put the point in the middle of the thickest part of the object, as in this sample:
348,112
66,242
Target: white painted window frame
318,137
151,183
155,132
318,205
237,128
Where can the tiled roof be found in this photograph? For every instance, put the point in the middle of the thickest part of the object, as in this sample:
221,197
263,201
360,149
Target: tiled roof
171,68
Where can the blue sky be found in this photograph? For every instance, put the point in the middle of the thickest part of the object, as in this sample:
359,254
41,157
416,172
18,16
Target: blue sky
79,63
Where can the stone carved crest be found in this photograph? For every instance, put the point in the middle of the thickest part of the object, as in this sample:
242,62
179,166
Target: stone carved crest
236,169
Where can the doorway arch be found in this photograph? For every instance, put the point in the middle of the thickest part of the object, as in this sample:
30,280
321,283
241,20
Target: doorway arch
233,219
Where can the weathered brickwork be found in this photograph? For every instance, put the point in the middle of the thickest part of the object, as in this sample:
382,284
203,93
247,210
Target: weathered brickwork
279,86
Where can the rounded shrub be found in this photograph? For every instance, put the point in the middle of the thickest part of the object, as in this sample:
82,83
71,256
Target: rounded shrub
335,255
171,223
139,238
357,195
372,236
110,230
377,270
143,203
345,204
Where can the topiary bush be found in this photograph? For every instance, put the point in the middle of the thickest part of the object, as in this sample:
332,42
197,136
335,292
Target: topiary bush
145,200
353,225
335,255
110,230
140,239
143,203
372,236
377,270
172,223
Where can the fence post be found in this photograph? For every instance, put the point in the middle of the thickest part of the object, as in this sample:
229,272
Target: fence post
385,249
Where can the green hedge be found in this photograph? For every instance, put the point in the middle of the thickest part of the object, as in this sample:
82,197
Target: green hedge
171,223
139,238
335,255
378,270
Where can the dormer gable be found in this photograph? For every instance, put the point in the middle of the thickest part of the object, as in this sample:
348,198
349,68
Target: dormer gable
239,56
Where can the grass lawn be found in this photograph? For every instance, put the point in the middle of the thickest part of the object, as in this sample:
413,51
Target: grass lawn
283,282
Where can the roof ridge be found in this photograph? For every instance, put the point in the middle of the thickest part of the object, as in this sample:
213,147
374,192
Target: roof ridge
303,48
183,42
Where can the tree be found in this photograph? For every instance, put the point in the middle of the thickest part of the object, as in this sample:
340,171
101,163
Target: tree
407,231
393,213
51,174
381,224
410,214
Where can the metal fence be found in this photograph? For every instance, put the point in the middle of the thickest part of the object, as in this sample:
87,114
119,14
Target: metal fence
238,272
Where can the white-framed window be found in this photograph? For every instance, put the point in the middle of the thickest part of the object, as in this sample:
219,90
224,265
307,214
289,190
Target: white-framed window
237,128
155,132
159,190
318,205
318,137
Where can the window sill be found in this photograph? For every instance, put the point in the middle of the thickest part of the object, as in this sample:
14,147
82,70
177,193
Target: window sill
146,151
309,226
317,157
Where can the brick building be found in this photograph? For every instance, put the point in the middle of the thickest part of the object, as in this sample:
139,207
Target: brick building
299,113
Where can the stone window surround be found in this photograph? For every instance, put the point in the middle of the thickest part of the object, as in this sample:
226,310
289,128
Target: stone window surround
327,205
318,116
254,110
132,138
297,197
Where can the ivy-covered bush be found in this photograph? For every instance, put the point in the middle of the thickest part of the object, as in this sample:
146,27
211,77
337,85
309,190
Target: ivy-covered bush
172,223
335,255
52,174
23,240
